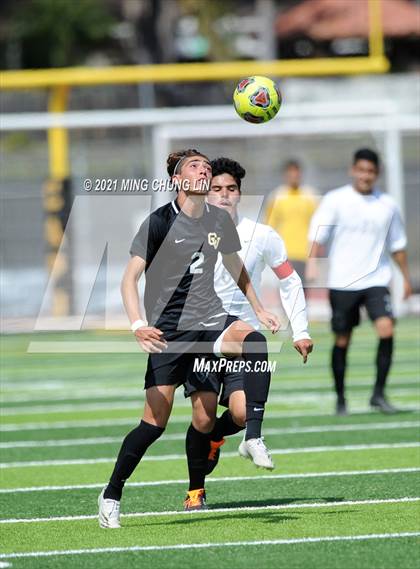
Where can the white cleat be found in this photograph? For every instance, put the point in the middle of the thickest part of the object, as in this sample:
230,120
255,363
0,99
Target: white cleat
255,450
109,512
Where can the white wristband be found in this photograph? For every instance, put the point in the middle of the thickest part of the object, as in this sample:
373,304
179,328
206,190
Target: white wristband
138,324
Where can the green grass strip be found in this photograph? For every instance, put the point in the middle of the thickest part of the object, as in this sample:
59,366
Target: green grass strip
220,526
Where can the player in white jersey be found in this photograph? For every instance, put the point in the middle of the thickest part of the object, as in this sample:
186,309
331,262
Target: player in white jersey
261,247
362,228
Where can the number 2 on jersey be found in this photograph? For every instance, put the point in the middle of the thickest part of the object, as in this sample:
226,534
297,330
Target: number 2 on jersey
198,259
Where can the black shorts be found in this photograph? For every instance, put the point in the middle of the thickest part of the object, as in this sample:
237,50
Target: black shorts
346,304
229,380
174,367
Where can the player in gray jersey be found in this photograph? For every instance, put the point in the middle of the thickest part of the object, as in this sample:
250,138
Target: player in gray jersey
177,248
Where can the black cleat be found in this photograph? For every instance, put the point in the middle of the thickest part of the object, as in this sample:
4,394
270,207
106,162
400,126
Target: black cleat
381,404
341,409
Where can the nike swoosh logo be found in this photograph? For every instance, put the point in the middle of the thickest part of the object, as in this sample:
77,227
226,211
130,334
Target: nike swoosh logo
179,240
258,409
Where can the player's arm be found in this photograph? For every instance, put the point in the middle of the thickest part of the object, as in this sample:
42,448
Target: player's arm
320,231
235,266
396,244
149,338
316,251
400,257
294,304
291,292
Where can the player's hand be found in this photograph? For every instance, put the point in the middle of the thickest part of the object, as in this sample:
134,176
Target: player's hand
408,291
269,321
151,339
304,347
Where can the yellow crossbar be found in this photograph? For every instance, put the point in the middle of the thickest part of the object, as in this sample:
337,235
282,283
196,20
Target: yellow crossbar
177,72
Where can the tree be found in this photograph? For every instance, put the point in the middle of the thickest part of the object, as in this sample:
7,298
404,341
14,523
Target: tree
57,33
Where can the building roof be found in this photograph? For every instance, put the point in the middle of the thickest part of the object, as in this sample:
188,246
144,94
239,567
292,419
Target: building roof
329,19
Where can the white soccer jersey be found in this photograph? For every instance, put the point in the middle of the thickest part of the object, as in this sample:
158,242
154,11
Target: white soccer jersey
262,247
361,231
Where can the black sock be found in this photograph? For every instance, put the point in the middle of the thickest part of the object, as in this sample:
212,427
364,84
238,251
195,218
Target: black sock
132,449
338,364
383,364
256,383
197,446
224,426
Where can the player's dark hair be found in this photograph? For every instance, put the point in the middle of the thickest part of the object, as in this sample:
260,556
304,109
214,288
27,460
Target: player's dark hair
175,159
227,166
366,154
293,163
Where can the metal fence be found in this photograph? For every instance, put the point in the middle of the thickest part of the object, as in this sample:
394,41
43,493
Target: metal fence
133,144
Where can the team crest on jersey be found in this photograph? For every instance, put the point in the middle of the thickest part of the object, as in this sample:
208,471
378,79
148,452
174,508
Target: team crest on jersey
214,240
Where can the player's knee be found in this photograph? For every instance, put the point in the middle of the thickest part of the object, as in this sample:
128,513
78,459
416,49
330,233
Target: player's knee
158,419
234,339
203,423
238,416
342,340
385,327
231,348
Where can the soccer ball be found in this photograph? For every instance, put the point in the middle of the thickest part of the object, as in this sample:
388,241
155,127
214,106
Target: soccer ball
257,99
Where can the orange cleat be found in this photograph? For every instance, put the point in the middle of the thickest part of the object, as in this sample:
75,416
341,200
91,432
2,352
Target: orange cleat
195,500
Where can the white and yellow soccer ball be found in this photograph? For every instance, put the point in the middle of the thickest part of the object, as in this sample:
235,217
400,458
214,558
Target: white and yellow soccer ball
257,99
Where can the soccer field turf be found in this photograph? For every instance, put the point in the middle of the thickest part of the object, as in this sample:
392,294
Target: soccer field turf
345,492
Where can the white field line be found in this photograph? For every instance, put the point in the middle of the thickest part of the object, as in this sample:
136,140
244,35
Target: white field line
27,392
181,436
183,546
287,399
166,457
42,409
220,479
67,394
128,401
327,412
10,427
67,390
211,511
